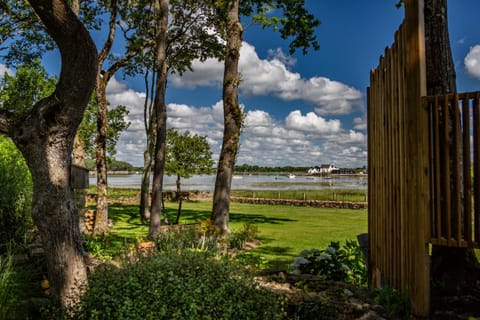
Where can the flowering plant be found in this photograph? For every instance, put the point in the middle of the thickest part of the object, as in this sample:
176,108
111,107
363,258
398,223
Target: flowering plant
339,263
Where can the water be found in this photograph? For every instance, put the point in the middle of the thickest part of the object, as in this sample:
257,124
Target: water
250,182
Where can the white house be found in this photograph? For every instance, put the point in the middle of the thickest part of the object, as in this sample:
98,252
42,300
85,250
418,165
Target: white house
327,168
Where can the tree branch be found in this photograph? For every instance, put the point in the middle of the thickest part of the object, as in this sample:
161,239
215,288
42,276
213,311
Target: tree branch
79,61
111,32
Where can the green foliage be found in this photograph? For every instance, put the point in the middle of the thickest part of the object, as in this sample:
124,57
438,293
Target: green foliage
176,241
314,309
7,302
15,194
97,246
187,154
19,93
18,285
187,285
238,238
293,21
335,262
395,302
88,128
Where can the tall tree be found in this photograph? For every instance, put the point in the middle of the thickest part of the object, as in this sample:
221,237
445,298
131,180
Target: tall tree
160,109
295,21
187,36
134,47
186,155
441,79
44,134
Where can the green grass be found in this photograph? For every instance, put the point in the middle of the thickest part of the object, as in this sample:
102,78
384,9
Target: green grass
284,231
355,195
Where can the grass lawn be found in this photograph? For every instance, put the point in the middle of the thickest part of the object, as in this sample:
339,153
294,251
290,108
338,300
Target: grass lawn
284,231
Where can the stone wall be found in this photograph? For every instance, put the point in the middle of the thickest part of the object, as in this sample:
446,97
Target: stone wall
304,203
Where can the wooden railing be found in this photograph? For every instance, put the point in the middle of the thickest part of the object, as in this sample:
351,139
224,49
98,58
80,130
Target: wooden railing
455,162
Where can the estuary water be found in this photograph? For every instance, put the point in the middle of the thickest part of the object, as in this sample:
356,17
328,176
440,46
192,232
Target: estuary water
249,182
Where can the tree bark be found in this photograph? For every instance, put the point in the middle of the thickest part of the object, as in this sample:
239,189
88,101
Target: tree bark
101,216
233,120
150,123
447,262
160,117
45,139
103,76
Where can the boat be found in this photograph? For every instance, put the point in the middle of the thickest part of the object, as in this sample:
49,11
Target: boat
291,176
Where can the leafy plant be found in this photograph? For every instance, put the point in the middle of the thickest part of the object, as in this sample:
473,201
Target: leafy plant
97,246
238,238
335,262
7,303
395,302
186,285
15,194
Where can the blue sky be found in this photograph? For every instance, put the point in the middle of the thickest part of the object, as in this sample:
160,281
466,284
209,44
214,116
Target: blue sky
300,110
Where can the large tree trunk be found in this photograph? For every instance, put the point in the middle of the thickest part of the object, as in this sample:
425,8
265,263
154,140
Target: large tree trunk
447,263
233,119
160,117
101,217
45,138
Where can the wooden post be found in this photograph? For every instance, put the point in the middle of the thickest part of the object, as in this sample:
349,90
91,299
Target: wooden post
417,158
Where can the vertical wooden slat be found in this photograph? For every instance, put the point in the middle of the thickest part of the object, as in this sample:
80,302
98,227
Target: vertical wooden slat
476,165
438,172
467,181
456,197
446,172
418,191
402,163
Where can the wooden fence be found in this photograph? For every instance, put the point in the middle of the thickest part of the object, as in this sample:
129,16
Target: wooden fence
455,122
398,166
424,167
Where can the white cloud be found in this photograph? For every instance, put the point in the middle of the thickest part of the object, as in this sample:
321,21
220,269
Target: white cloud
472,61
360,123
4,69
300,140
311,123
271,77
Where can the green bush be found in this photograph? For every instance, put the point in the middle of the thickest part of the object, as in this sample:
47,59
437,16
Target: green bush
15,194
335,262
238,238
186,285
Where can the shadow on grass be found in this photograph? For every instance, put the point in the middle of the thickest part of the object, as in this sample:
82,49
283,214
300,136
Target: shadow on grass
257,219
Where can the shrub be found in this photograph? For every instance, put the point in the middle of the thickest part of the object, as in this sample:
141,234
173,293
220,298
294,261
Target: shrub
395,302
238,238
15,194
186,285
335,263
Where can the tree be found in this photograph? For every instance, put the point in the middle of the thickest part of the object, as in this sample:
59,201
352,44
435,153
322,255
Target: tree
160,109
44,133
182,32
134,47
88,129
186,155
295,22
441,79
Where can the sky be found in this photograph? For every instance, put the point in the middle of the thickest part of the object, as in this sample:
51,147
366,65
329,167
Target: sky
300,110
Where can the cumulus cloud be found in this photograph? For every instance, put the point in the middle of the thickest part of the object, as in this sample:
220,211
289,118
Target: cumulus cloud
272,77
472,61
311,123
302,140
